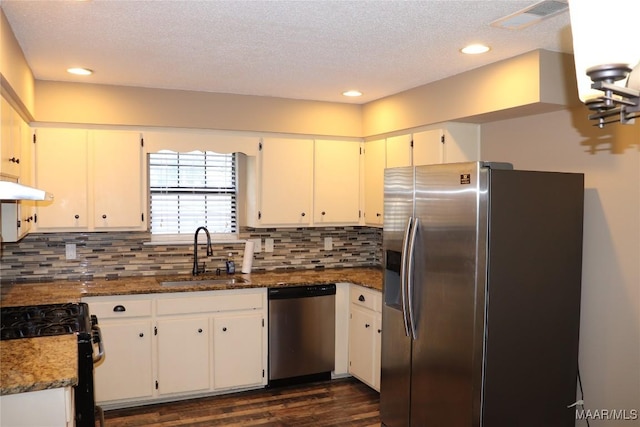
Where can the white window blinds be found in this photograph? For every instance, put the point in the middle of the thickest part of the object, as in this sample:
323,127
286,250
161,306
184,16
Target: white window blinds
189,190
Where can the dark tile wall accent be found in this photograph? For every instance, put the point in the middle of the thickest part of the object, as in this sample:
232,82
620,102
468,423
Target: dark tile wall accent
41,256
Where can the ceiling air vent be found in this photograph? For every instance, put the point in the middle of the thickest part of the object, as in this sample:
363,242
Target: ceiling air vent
532,14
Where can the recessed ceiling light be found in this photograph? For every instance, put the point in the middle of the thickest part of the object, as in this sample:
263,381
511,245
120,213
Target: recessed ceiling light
474,49
80,71
352,93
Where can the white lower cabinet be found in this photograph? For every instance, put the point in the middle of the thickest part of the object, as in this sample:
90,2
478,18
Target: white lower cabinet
126,372
176,345
127,361
237,350
341,368
183,355
52,408
364,335
183,344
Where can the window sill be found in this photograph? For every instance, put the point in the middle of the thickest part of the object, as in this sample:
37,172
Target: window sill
186,239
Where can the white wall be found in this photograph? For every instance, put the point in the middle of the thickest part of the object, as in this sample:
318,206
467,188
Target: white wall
610,318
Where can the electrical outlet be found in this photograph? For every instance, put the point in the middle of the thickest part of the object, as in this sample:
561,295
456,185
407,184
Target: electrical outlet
257,245
70,250
328,243
268,245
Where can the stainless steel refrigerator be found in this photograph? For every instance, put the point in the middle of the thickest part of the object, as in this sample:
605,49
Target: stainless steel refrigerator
481,313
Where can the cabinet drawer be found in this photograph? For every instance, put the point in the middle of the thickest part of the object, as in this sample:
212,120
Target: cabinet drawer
366,298
211,302
120,309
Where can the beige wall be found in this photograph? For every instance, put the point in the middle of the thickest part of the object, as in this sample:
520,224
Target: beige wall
538,81
610,318
15,75
121,105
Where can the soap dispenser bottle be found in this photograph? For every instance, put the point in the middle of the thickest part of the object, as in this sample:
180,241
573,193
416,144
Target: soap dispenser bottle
231,266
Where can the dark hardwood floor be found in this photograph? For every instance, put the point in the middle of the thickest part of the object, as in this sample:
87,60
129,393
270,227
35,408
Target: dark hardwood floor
343,402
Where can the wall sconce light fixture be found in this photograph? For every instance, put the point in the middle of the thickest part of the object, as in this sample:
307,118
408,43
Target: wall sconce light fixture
606,49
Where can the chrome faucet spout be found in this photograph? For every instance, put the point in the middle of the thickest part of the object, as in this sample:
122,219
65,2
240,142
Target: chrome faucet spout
197,270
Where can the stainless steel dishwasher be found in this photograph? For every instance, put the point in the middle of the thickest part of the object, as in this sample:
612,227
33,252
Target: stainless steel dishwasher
301,333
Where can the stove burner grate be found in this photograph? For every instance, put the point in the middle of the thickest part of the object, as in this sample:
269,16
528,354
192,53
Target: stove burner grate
41,320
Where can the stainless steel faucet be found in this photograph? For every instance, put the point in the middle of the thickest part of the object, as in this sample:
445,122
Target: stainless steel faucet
197,270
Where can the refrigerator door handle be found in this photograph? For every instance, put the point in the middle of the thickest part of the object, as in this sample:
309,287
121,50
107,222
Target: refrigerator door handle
404,275
412,250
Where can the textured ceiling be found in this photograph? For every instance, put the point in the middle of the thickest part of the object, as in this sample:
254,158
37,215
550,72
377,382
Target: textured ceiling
292,49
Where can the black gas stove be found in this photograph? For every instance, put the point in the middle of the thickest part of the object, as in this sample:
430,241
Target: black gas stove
35,321
44,320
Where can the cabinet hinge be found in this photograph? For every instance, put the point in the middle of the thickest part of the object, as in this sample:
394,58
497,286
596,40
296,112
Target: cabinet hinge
442,139
156,385
411,144
141,141
19,225
259,146
155,330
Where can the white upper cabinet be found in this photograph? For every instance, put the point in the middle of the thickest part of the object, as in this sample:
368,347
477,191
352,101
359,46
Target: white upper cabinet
398,151
302,182
282,184
374,164
95,178
116,163
15,165
10,140
448,143
61,168
453,143
461,143
336,182
428,147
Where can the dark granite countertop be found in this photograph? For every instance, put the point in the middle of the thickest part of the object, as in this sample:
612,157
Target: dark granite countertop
50,362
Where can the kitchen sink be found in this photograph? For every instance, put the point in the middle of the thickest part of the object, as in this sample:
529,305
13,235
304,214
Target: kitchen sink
204,282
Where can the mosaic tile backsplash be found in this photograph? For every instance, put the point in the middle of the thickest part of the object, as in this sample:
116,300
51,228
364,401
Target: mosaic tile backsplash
41,256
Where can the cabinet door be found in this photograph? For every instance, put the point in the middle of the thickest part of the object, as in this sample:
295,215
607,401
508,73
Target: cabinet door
17,216
183,355
27,207
377,350
286,181
237,350
461,142
427,147
398,151
53,407
117,179
126,371
9,140
374,164
362,344
61,169
336,182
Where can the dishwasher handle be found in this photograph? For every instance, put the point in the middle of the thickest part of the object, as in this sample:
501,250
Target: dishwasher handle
287,292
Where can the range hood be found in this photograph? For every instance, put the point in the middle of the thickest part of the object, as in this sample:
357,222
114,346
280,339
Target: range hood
13,191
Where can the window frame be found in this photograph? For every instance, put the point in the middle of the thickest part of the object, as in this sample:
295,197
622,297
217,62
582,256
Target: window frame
187,237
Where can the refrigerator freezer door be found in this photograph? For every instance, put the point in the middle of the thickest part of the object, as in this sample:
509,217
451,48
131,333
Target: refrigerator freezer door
395,373
448,302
